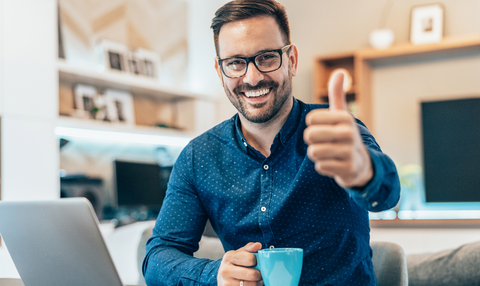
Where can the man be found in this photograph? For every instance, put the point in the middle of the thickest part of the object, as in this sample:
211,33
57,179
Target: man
264,178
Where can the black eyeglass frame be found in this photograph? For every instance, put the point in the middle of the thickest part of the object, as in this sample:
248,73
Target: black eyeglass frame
252,59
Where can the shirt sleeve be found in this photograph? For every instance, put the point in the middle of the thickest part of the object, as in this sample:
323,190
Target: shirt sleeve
383,190
169,252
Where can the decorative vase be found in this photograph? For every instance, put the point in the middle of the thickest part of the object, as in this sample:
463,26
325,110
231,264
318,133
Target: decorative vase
381,38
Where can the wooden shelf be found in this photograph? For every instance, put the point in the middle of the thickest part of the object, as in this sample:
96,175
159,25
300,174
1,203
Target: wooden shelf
425,223
70,74
452,44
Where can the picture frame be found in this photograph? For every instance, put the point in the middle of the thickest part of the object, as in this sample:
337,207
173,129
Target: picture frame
150,62
84,100
119,106
114,56
427,24
135,63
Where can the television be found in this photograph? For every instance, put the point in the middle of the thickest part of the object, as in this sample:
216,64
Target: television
140,184
451,150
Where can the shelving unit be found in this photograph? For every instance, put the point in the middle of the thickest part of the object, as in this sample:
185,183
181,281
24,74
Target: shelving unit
140,87
359,64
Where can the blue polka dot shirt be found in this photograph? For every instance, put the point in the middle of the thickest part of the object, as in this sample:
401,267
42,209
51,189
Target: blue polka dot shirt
280,201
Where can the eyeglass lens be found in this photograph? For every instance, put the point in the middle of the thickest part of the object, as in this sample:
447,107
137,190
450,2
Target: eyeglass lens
265,62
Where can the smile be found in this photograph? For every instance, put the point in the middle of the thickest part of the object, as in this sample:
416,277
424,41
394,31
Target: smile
257,93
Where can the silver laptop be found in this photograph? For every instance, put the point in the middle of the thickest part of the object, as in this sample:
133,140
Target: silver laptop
57,243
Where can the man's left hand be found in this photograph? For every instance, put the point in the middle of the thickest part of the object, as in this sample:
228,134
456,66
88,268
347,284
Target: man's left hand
335,144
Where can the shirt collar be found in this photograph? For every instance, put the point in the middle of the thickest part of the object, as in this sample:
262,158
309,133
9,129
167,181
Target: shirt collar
284,134
242,142
290,126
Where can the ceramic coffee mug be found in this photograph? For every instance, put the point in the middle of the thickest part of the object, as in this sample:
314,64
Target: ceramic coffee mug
280,266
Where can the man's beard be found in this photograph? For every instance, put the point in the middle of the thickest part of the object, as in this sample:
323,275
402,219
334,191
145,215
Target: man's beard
281,94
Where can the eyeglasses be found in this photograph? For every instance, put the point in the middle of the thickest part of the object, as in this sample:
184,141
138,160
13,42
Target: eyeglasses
265,62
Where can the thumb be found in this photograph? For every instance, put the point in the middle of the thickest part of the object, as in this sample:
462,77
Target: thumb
336,95
252,247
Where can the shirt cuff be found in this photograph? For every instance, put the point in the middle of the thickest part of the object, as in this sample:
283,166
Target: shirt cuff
383,190
195,274
210,273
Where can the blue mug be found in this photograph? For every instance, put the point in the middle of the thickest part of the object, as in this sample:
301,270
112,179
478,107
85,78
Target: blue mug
280,266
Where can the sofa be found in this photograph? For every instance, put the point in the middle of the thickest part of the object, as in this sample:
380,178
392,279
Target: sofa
454,267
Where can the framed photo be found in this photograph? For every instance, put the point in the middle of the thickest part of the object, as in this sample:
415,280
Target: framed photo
113,55
119,106
150,62
85,96
135,63
426,24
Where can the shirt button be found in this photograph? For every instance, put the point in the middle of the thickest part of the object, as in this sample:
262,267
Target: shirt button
364,195
263,209
265,167
374,204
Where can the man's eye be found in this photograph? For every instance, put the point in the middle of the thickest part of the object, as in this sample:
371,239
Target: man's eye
232,63
235,64
269,56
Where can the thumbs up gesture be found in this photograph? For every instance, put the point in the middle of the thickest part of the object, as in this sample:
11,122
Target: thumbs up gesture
335,144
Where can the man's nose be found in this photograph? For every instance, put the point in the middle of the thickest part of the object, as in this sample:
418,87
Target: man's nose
253,75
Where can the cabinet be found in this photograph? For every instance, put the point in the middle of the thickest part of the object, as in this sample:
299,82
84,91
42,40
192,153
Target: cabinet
359,64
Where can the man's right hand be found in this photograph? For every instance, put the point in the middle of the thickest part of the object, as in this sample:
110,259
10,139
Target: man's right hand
234,268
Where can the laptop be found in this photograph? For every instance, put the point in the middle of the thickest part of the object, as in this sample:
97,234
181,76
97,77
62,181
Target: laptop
57,243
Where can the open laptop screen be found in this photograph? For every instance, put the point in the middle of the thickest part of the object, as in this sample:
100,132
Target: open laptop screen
57,243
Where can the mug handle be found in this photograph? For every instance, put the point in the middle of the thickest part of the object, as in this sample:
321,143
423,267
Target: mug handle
256,266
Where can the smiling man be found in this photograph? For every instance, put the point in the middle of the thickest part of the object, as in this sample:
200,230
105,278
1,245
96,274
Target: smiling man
279,173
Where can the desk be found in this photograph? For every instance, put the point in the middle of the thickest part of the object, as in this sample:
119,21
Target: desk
18,282
10,282
426,223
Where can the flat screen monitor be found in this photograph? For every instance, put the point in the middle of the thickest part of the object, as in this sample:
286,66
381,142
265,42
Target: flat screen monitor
140,184
451,150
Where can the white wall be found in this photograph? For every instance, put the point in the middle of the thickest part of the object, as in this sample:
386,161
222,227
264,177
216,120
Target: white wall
29,99
202,76
28,105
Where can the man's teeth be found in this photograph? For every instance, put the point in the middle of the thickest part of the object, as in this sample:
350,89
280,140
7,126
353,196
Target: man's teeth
257,93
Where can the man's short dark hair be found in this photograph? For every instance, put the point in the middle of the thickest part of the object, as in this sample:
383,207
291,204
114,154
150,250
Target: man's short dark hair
244,9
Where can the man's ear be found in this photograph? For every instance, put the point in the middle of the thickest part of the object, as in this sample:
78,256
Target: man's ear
219,70
293,59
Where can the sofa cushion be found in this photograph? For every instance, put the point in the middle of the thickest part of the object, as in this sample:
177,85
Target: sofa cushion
454,267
